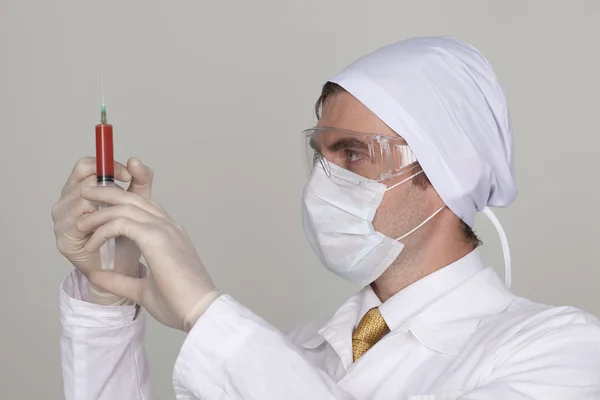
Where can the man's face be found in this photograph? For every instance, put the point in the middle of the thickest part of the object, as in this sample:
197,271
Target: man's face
403,207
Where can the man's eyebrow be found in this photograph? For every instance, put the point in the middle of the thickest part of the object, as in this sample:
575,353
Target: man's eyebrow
347,143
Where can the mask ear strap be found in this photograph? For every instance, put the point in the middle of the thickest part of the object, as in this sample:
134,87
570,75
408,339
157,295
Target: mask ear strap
505,250
422,223
404,180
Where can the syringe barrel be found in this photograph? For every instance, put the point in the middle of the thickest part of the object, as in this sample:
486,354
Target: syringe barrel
107,251
105,165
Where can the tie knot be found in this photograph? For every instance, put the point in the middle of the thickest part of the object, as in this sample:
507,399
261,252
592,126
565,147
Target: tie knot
370,329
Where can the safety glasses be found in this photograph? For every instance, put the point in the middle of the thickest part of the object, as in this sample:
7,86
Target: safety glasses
372,156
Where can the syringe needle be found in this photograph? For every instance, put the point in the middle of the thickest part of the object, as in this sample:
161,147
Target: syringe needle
103,87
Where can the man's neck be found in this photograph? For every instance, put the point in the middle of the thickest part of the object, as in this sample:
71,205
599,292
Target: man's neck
416,262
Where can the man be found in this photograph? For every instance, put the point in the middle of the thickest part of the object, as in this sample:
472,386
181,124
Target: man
412,141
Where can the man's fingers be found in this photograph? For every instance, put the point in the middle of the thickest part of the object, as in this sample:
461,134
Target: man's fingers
93,221
71,192
120,285
142,177
121,172
83,168
120,226
117,196
86,167
65,215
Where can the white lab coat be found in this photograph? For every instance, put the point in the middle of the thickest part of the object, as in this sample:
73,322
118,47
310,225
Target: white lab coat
457,334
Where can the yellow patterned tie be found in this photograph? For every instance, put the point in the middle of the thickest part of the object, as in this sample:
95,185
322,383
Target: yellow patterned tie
370,329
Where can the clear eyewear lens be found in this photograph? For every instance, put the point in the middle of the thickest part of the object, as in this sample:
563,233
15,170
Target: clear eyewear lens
376,157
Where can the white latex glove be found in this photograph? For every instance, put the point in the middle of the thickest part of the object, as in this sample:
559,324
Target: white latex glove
178,288
71,207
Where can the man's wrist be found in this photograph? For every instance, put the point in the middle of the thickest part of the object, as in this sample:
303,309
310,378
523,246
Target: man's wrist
98,296
196,312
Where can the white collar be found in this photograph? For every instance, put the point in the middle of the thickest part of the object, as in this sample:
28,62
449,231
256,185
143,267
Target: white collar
441,310
416,297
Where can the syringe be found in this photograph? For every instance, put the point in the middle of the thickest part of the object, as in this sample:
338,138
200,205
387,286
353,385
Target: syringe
105,173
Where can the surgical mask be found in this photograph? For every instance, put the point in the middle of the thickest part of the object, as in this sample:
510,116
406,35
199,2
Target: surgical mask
337,213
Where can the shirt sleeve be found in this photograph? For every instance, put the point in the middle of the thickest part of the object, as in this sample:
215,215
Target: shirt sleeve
102,347
231,353
559,363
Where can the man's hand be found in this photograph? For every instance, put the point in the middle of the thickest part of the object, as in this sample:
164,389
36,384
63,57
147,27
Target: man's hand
178,289
71,207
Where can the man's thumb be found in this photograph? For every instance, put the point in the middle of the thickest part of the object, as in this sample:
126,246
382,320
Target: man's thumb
117,284
141,177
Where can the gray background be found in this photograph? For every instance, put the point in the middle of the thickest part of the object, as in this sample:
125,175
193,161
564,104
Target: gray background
213,96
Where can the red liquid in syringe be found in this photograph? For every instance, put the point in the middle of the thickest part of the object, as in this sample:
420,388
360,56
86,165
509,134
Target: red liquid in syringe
105,165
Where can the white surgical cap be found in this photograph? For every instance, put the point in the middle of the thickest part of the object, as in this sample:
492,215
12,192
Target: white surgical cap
442,96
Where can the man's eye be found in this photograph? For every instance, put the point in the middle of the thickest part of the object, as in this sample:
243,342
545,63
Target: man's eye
354,156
